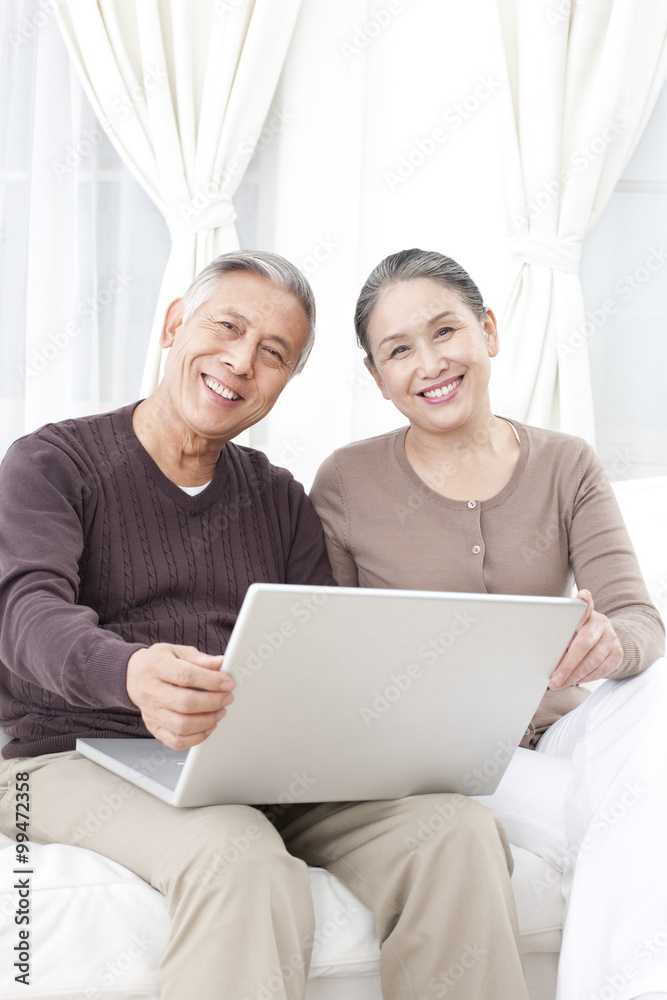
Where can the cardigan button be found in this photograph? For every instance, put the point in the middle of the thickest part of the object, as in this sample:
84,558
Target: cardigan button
476,549
472,504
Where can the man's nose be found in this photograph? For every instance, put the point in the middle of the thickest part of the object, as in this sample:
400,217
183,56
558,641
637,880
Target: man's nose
240,354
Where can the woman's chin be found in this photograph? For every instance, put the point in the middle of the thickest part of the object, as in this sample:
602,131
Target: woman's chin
438,419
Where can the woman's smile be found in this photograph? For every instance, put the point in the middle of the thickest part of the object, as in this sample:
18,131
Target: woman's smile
442,392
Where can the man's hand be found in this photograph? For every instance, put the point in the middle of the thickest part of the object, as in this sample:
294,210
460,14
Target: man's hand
181,692
594,652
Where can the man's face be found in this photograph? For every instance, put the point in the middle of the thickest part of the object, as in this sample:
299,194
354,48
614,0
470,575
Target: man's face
232,358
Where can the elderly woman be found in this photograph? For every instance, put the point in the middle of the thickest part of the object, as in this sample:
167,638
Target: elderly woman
464,500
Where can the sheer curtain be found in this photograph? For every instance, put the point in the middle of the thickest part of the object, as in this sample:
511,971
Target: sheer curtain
359,101
624,267
183,90
82,249
583,79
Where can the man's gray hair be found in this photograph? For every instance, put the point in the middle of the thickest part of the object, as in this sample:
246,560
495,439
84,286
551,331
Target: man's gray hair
265,265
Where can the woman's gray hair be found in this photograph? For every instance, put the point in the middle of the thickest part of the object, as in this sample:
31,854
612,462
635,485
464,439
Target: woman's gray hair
265,265
405,266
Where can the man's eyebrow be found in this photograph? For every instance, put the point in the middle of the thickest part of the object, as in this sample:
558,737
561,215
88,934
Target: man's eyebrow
432,319
235,314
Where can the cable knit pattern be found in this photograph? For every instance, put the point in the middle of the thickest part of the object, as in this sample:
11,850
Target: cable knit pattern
101,554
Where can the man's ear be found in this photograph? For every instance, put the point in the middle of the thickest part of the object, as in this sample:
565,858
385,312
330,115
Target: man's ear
376,376
490,328
173,321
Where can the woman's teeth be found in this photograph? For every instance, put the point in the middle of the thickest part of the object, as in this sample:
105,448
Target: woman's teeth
443,391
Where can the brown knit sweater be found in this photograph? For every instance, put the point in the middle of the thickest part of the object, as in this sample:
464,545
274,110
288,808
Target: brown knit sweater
101,554
556,519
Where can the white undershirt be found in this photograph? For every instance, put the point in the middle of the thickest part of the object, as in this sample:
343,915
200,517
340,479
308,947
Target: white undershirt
194,490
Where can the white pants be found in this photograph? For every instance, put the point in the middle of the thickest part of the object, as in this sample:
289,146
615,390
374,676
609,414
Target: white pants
604,823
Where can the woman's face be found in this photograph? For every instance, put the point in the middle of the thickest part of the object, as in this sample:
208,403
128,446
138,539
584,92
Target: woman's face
431,354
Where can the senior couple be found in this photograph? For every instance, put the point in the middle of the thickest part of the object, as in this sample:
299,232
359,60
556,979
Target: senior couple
120,583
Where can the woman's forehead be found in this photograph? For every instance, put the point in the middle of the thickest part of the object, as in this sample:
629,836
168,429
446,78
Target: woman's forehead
413,304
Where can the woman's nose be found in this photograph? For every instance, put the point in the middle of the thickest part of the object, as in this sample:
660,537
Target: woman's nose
431,360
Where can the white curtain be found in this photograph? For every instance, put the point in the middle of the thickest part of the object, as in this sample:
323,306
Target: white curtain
584,76
183,88
82,248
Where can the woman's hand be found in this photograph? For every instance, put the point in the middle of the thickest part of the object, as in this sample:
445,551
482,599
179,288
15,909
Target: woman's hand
594,652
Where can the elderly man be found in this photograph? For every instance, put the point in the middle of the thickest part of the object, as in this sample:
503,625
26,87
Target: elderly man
127,543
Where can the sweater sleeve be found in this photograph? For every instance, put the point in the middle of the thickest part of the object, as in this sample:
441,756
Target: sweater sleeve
307,560
328,498
604,562
47,637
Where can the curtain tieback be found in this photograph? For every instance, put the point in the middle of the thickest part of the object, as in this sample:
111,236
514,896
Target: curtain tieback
560,255
199,215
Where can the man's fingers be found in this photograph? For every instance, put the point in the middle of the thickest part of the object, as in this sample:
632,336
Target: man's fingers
183,673
178,741
186,667
194,655
188,701
185,726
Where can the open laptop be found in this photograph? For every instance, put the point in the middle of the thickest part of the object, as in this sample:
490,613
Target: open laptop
347,693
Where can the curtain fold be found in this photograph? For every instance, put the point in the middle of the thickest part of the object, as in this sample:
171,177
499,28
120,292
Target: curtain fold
81,246
182,87
583,79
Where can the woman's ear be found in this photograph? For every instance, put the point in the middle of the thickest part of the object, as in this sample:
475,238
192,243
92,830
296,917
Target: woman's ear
490,330
376,376
173,321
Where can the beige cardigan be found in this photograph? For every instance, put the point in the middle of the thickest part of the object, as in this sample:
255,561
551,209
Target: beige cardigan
557,518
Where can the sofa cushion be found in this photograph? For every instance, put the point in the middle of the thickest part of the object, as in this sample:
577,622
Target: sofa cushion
643,503
529,802
97,930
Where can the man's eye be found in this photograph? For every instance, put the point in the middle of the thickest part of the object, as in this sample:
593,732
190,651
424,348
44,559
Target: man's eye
443,331
275,354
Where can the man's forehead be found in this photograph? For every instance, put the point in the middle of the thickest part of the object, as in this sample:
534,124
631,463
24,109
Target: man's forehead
246,295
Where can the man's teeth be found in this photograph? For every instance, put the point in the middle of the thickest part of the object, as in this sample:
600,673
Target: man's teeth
220,389
444,391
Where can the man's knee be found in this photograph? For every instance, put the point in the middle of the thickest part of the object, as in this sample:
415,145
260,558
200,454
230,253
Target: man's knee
228,842
458,821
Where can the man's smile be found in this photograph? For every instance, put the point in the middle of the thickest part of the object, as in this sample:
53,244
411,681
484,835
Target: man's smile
221,390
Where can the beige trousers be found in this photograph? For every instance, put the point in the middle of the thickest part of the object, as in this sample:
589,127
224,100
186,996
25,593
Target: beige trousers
433,868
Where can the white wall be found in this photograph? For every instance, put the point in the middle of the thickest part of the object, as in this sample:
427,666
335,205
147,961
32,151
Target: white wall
363,111
358,169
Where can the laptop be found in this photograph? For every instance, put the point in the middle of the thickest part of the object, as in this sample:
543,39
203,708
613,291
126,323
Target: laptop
347,693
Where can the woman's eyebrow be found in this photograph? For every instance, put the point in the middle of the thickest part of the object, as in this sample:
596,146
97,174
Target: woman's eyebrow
429,320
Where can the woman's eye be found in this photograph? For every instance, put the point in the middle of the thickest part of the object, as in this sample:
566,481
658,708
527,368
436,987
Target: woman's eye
397,351
444,331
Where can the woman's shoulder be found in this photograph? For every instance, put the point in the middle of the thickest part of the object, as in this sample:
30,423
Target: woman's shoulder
548,445
363,455
355,467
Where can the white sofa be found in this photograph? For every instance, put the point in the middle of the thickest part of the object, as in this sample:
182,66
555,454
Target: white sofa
98,931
